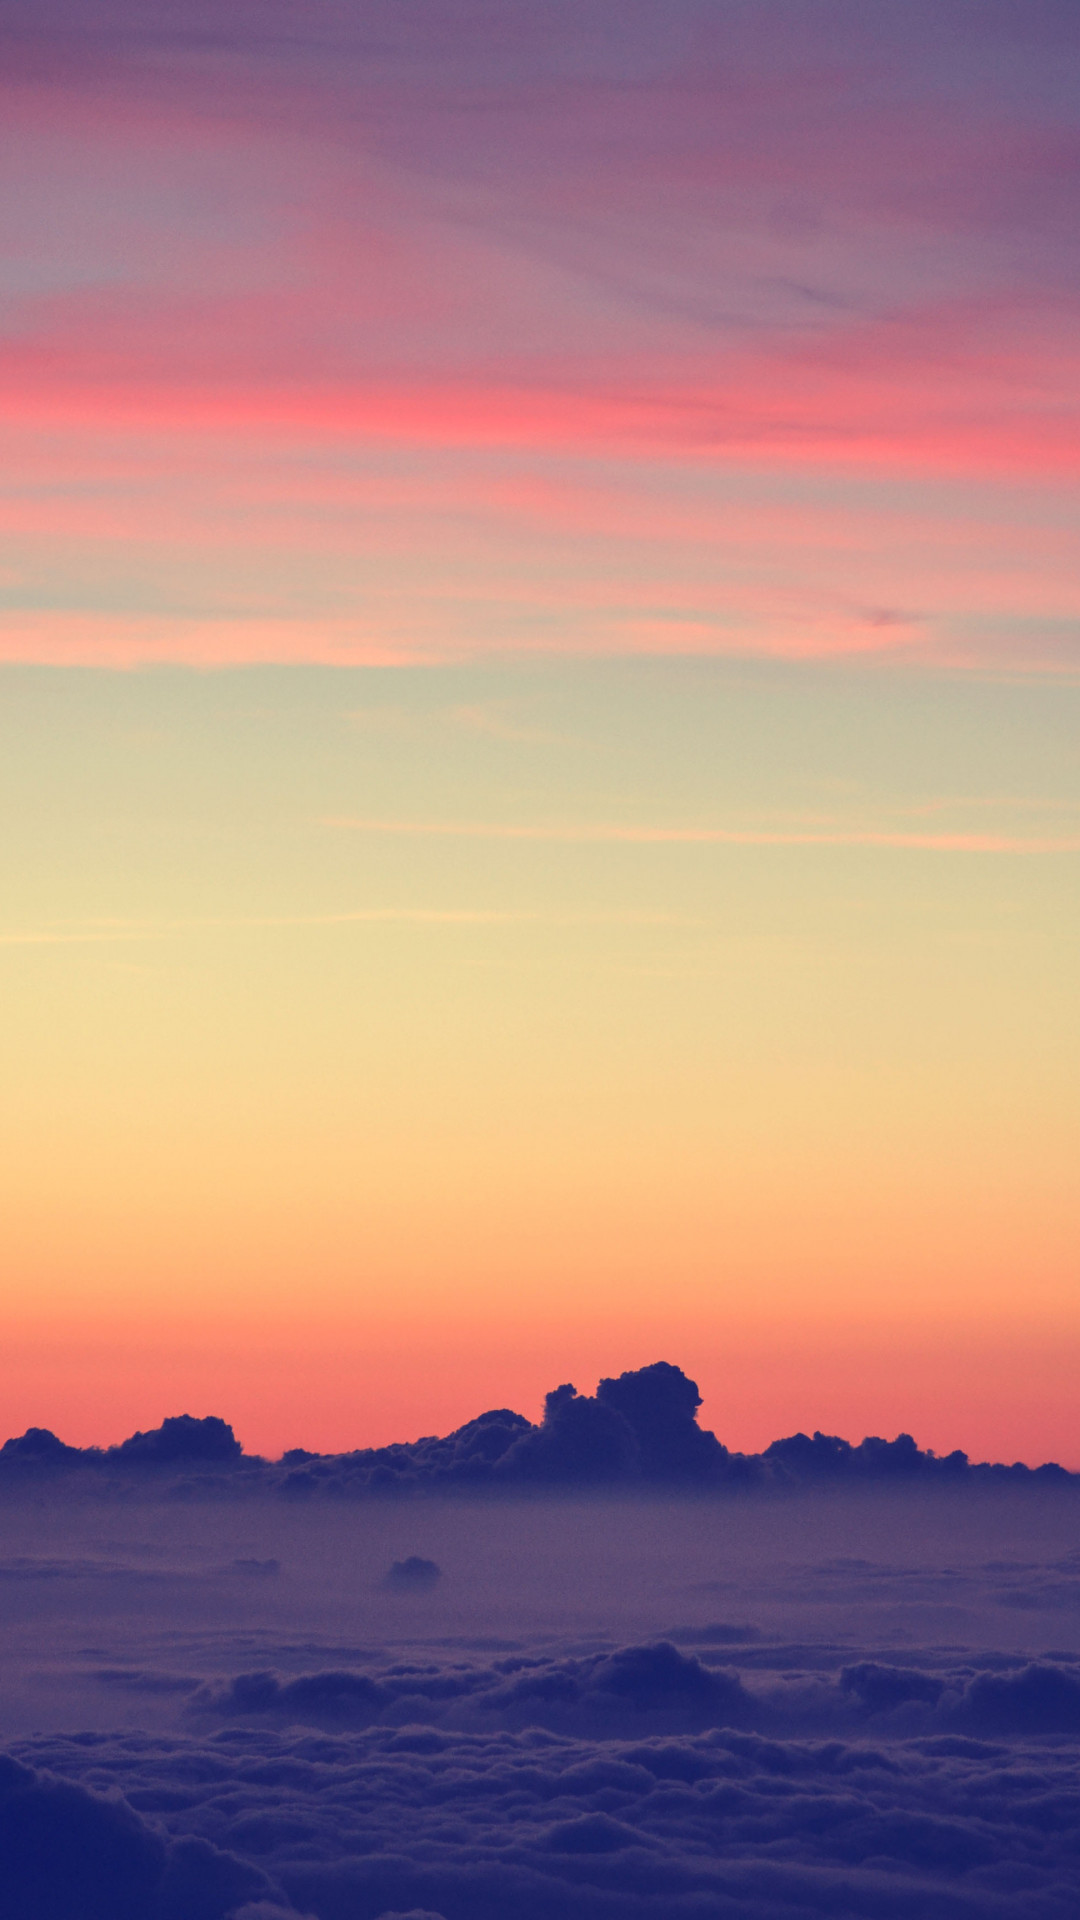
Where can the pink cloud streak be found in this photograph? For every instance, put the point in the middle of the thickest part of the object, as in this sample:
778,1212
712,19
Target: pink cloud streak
720,836
777,243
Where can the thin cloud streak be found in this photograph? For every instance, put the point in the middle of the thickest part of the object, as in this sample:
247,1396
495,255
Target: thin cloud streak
421,333
123,931
713,836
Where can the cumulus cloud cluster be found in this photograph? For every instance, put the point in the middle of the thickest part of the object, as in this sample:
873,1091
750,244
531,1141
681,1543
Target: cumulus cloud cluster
602,1693
658,1688
639,1429
631,1786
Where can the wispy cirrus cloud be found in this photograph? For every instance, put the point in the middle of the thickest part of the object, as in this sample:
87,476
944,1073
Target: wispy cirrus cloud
121,932
543,265
600,833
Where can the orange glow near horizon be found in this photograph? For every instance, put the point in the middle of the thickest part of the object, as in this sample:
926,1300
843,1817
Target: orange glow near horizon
1001,1395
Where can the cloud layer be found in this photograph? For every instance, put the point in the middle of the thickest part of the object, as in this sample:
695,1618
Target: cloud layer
871,1706
638,1431
603,1801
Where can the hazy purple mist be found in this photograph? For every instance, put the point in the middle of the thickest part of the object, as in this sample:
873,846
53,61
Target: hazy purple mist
847,1703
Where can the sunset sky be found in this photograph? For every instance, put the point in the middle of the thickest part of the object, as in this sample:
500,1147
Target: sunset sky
540,713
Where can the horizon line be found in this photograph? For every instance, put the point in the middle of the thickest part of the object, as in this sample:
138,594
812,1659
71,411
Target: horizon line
300,1455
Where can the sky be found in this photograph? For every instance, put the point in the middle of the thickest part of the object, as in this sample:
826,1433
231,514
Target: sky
539,690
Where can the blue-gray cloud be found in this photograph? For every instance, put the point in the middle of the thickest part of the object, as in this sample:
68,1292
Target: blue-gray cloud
976,1816
637,1430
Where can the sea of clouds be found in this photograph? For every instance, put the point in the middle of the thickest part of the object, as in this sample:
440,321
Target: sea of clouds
592,1705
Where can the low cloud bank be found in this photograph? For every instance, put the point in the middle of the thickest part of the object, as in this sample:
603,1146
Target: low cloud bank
639,1430
654,1688
657,1689
637,1784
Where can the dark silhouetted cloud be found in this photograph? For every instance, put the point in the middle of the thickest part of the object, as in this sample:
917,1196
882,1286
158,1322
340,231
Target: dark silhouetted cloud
1040,1699
639,1430
412,1575
180,1441
881,1688
70,1854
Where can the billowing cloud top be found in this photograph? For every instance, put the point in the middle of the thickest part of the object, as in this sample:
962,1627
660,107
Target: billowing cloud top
640,1786
639,1430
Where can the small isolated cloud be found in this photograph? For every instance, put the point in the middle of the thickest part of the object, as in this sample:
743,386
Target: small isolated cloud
412,1575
